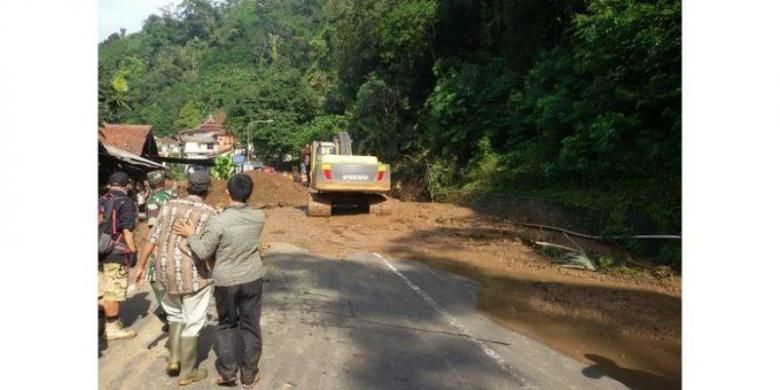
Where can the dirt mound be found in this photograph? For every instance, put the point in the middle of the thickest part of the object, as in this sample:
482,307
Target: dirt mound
271,190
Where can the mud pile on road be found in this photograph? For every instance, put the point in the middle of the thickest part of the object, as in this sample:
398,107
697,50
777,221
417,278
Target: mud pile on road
271,190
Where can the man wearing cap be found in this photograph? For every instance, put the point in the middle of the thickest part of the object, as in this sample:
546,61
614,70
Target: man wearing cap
119,213
185,277
158,197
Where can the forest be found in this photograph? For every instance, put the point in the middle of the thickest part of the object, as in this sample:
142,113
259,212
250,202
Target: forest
569,100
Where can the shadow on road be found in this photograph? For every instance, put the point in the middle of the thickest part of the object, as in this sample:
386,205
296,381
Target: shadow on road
206,343
634,379
354,324
394,340
134,308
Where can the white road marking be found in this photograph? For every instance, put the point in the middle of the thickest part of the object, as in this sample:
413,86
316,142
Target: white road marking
454,322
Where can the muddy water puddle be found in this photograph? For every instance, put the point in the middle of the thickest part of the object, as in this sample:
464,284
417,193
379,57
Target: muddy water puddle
633,336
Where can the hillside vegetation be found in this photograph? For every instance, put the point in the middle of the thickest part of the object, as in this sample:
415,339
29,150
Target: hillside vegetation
575,101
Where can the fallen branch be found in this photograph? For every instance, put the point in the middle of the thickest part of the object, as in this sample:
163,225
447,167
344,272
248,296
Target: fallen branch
588,236
574,266
578,261
551,245
574,242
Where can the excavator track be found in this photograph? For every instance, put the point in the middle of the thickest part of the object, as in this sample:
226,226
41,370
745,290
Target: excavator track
378,205
319,206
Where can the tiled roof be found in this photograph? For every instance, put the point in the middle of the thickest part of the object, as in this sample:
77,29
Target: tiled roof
168,141
130,138
209,126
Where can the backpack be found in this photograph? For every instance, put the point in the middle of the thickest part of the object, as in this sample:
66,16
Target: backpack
109,204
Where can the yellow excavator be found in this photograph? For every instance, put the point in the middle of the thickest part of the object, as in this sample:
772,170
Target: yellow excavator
341,179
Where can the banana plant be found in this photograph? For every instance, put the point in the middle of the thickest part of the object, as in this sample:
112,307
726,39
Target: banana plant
223,168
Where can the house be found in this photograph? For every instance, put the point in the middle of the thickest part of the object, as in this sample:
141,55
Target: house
169,147
134,139
128,148
207,140
112,159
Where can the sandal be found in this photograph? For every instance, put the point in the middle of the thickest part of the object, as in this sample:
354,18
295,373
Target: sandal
220,381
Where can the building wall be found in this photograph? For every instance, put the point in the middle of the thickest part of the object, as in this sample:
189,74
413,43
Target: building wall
200,147
205,144
225,142
167,150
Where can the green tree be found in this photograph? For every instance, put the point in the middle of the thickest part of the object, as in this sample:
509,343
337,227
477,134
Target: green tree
190,115
223,167
376,121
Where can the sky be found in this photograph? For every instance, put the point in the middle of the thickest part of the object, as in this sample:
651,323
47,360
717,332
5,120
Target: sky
130,14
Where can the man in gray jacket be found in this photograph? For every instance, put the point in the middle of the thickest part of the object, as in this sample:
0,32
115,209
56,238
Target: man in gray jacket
233,236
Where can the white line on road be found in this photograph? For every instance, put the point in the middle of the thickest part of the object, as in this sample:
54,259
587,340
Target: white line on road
454,322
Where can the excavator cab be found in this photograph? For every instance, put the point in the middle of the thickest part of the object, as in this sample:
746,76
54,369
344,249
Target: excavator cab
326,149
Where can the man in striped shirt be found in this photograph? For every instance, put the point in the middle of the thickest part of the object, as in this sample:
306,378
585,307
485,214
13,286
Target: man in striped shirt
158,197
185,277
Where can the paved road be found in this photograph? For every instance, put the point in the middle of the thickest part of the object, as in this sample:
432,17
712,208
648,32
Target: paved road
363,322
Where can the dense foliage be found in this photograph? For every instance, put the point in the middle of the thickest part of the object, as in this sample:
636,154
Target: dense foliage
223,167
573,100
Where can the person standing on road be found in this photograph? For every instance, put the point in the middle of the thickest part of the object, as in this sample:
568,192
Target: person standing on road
141,194
158,197
185,276
306,163
233,236
119,214
105,246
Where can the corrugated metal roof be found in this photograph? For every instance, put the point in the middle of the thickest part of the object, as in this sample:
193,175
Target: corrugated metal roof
131,158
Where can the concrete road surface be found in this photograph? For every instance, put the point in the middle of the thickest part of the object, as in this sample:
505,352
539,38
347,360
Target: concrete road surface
363,322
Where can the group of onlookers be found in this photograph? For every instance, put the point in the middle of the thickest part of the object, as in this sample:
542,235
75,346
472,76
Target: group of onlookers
193,251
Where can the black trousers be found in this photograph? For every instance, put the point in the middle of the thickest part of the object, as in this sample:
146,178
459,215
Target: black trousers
238,342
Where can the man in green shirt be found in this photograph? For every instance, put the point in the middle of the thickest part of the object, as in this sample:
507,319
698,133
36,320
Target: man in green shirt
158,196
